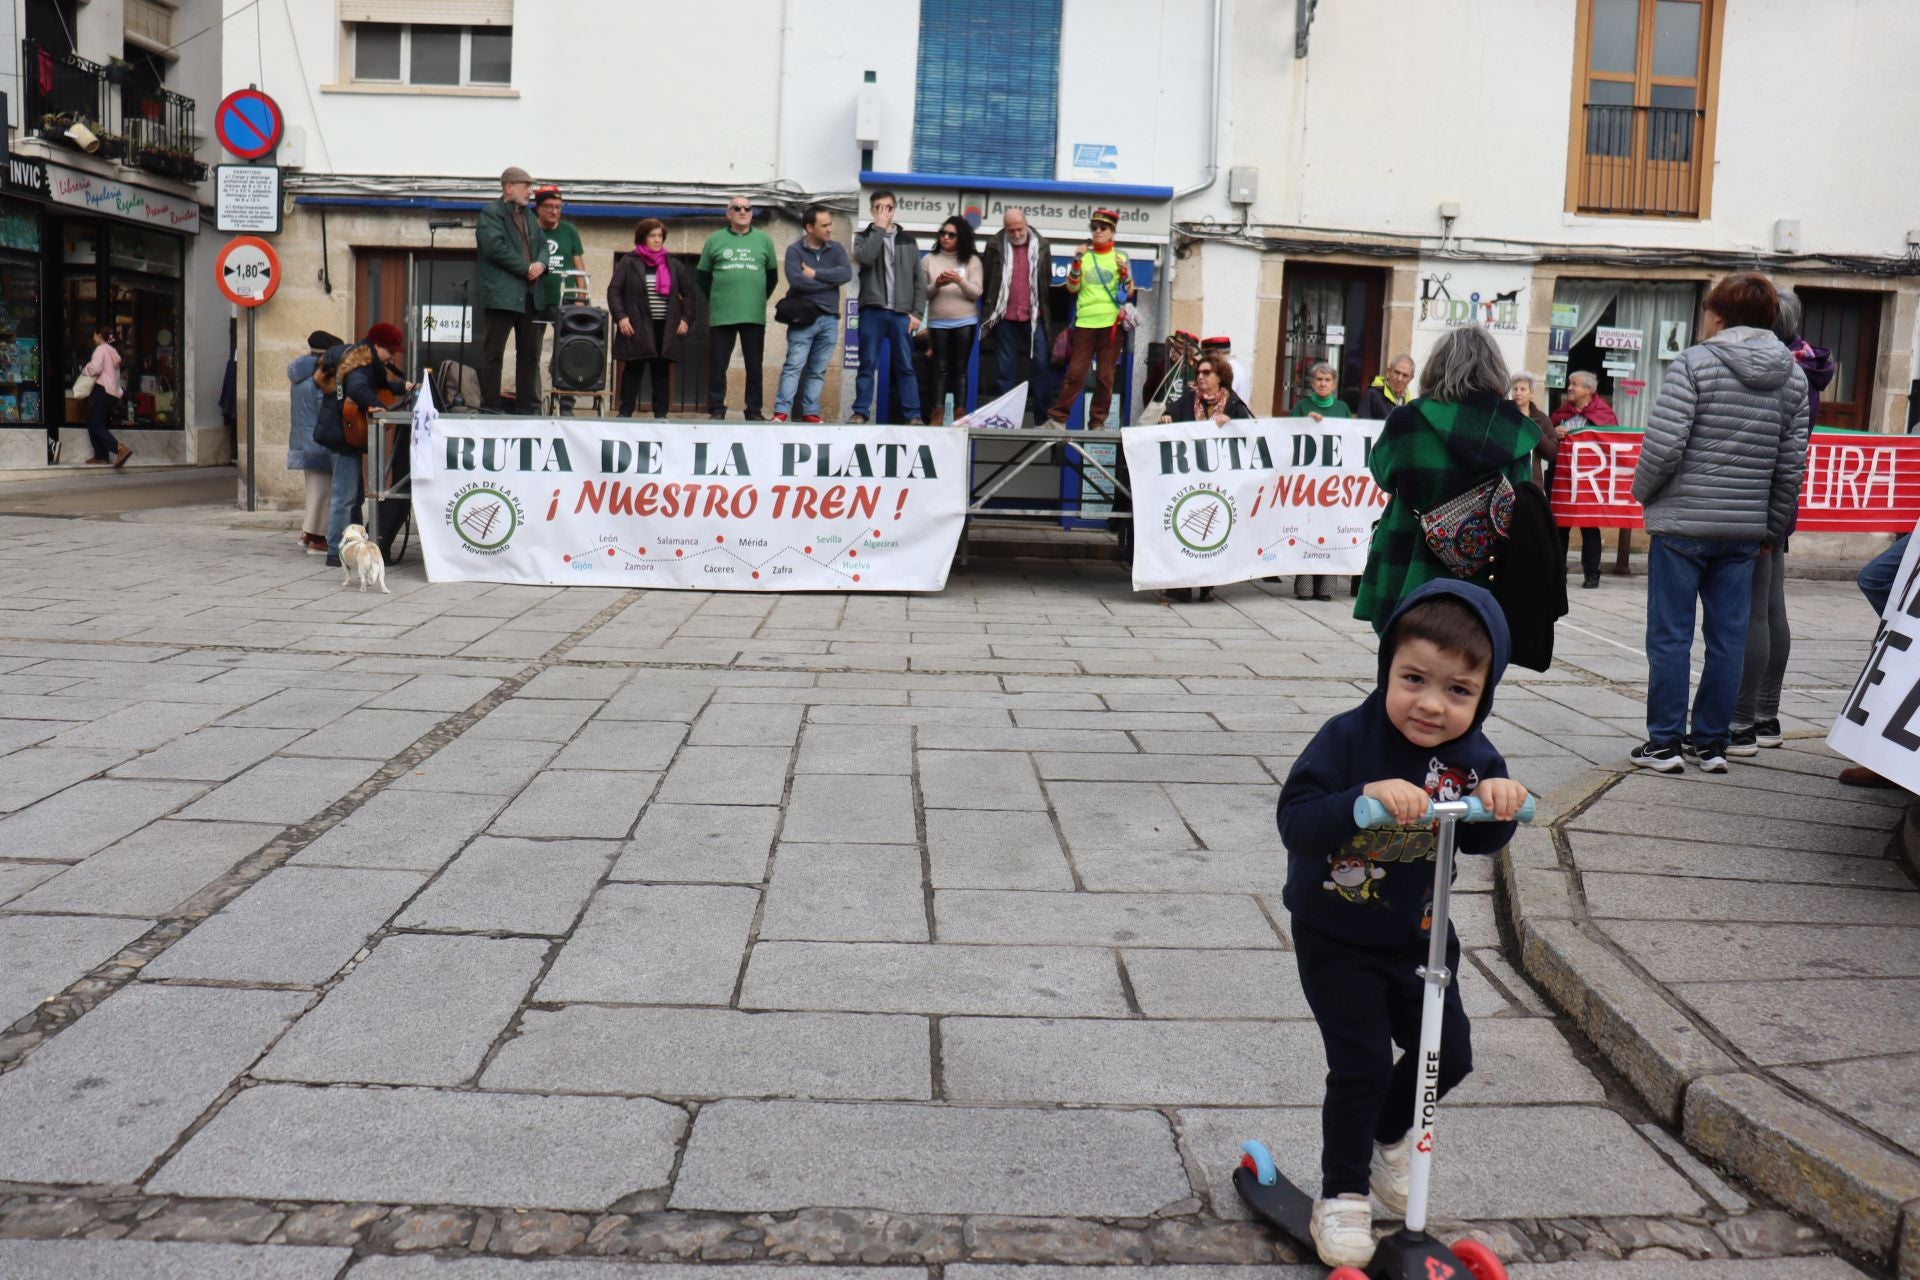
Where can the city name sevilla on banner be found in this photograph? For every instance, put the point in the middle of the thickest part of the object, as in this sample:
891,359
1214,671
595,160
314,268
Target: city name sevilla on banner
1255,498
584,502
1855,483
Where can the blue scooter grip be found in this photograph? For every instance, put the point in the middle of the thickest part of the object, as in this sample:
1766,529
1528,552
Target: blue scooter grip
1368,812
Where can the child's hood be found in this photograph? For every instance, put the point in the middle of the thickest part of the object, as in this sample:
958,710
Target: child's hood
1481,601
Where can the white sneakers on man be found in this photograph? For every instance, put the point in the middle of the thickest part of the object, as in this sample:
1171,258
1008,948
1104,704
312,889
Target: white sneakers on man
1343,1230
1391,1173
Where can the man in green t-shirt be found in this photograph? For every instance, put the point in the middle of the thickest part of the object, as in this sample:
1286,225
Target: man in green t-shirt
562,251
738,269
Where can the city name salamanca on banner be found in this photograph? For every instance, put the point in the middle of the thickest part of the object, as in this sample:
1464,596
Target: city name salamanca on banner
1855,483
569,502
1255,498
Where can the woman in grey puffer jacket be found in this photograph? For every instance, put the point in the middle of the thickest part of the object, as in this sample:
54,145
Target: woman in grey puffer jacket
303,399
1719,476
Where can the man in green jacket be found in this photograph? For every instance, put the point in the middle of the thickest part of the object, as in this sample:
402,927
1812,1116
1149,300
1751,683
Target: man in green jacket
739,270
511,258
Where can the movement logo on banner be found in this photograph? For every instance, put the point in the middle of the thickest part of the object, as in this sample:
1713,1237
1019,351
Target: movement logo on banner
766,507
1879,723
1213,505
1855,482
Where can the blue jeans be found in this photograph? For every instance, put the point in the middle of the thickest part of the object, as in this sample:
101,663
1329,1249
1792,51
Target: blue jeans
1876,580
881,327
1011,362
810,346
348,490
1720,576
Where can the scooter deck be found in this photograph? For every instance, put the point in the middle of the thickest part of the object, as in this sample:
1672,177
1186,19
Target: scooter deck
1282,1205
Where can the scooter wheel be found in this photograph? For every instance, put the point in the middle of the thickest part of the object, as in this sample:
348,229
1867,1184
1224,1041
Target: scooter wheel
1256,1159
1346,1273
1479,1260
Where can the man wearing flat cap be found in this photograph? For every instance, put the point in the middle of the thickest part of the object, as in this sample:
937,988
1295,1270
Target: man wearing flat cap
512,252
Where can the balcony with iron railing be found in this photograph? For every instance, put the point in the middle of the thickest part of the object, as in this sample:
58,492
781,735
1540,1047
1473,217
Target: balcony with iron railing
141,126
1640,160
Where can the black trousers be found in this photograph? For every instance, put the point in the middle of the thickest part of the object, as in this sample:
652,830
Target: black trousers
1589,549
524,328
952,348
661,370
753,348
1366,1002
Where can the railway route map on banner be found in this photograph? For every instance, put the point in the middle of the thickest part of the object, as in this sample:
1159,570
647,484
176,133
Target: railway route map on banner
618,503
1213,505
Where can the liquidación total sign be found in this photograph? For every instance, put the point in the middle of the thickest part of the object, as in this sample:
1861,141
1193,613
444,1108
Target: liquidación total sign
756,508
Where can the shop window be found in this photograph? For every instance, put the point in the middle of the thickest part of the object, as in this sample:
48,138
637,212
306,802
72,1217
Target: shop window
1626,334
137,271
1644,86
987,94
428,54
1848,325
22,398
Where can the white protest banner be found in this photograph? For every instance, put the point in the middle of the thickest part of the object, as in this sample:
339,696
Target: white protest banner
619,503
1213,505
1005,414
424,416
1879,723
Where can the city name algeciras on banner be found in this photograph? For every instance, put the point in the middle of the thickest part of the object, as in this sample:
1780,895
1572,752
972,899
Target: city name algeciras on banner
620,503
1255,498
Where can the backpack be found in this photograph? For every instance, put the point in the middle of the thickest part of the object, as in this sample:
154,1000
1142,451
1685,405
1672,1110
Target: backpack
456,386
329,424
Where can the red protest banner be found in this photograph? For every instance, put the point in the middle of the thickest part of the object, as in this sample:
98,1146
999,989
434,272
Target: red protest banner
1855,483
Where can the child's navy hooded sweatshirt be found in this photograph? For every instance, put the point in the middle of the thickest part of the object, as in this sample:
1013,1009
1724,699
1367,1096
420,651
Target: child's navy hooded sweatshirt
1375,888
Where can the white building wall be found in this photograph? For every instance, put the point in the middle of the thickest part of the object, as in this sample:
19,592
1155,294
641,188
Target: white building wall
1399,107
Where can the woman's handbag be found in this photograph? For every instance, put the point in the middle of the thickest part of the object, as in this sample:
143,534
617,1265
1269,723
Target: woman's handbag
82,387
1462,531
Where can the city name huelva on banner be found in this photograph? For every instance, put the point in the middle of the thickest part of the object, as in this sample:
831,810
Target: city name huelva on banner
752,508
1213,505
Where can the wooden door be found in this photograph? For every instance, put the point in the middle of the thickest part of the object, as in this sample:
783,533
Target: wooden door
1317,303
1847,323
379,290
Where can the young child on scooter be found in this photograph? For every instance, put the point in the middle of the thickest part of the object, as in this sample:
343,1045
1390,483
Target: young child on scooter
1362,901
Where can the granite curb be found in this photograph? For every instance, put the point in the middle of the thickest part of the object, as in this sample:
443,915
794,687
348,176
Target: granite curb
1813,1162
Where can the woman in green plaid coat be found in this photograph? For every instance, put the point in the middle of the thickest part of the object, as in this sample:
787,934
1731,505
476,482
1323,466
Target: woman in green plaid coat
1460,432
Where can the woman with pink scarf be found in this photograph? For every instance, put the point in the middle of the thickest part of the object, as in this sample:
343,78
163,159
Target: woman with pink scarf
651,301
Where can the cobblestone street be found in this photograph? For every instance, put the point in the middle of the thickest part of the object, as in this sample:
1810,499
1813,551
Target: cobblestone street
497,932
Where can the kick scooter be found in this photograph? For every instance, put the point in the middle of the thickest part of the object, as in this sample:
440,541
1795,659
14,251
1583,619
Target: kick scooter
1409,1253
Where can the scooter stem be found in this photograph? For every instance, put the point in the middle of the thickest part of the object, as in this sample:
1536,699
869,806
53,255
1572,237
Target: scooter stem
1436,976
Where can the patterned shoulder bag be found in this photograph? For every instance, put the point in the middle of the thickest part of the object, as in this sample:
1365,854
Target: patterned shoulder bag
1462,531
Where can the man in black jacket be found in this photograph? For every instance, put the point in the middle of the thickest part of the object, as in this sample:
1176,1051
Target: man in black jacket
1389,391
1018,266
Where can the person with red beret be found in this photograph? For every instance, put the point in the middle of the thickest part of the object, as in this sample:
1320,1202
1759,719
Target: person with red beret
1222,349
361,372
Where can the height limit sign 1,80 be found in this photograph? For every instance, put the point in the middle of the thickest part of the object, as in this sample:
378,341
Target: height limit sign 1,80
247,270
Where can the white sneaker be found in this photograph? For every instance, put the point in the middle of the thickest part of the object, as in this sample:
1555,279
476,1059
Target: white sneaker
1343,1230
1392,1171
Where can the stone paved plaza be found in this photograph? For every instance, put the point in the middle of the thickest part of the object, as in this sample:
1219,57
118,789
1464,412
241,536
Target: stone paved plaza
487,931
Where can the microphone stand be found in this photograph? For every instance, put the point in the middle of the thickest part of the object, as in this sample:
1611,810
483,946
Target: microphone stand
453,398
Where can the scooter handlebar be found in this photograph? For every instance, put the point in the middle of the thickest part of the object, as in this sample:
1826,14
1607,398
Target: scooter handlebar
1368,812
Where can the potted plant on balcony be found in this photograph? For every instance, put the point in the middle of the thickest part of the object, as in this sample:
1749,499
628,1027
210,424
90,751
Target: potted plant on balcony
54,125
118,71
112,146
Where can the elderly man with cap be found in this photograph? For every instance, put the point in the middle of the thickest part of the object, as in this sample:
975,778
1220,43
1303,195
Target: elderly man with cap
511,259
1221,348
303,452
562,251
1101,284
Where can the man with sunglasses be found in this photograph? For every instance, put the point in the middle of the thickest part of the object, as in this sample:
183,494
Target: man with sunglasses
738,270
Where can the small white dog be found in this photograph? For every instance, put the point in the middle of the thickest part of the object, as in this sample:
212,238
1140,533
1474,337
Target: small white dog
359,554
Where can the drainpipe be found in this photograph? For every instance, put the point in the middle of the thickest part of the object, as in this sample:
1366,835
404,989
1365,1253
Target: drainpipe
786,84
1164,308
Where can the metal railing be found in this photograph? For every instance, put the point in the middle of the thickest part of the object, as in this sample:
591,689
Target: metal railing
140,125
1642,160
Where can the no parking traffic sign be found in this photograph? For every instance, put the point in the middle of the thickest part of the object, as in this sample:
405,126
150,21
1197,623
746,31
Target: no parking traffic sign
248,123
247,271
